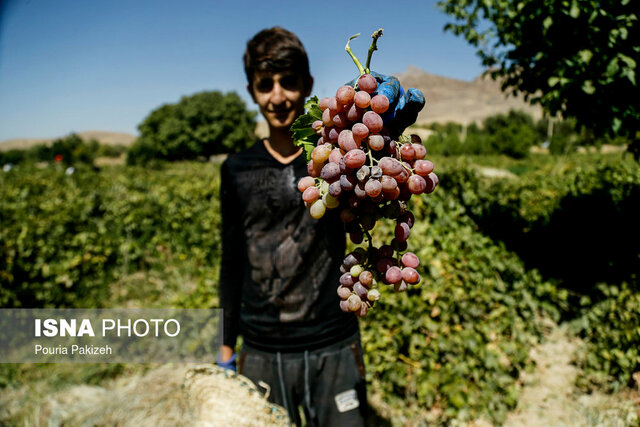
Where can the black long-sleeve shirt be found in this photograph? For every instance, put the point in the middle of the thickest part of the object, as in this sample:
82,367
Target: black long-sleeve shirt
280,267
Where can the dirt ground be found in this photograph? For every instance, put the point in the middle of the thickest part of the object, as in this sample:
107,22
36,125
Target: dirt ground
549,397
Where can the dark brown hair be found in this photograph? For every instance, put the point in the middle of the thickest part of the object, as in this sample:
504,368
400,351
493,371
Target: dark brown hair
276,50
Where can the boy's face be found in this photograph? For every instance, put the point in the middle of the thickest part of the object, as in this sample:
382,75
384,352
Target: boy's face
280,96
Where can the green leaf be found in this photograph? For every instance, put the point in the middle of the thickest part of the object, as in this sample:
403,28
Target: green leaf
617,125
588,87
624,33
585,55
630,74
303,134
613,67
575,10
557,80
627,60
312,108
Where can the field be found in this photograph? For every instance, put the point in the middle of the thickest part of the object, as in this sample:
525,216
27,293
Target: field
527,313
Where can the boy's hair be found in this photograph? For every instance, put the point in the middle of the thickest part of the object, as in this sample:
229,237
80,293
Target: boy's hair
276,50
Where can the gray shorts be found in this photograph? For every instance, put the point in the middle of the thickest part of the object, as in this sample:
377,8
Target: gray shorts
327,383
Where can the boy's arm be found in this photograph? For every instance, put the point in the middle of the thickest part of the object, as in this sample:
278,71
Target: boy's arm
231,267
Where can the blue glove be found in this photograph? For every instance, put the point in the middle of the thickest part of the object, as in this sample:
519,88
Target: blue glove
403,106
229,364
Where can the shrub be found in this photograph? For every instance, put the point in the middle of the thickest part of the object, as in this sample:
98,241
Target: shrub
65,238
454,346
512,134
612,335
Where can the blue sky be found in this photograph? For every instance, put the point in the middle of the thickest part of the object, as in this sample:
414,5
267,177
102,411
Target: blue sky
75,65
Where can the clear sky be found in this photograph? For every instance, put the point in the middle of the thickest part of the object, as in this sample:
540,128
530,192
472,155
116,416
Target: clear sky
75,65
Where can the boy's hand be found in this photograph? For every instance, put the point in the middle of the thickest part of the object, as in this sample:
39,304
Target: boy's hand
229,364
403,106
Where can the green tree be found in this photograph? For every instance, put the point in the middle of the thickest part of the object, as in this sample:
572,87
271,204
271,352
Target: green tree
446,139
202,124
72,149
512,134
577,58
476,141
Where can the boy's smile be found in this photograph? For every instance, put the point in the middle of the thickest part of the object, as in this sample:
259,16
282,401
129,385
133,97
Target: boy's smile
280,96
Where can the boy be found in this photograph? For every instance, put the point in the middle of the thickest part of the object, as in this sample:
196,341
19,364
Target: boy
280,267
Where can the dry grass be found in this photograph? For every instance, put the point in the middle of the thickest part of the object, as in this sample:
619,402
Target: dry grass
103,137
180,394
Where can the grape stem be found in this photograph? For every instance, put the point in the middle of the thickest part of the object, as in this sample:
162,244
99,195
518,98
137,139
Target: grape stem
371,159
402,163
355,60
374,46
369,238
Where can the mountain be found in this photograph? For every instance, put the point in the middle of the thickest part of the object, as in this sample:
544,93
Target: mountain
103,137
462,101
447,100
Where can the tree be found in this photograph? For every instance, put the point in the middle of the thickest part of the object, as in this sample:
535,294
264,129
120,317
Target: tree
202,124
72,149
577,58
512,134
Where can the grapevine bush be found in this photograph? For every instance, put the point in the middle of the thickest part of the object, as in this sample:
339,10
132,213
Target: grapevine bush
452,348
571,224
64,238
575,227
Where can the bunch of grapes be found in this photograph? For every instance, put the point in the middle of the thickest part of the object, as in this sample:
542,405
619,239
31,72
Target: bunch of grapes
357,166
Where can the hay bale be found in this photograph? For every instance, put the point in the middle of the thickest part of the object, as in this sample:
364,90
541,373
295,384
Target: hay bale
220,397
197,395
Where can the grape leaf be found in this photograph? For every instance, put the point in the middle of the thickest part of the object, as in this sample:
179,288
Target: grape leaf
303,134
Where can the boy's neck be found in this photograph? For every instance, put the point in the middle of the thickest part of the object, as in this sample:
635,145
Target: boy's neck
280,145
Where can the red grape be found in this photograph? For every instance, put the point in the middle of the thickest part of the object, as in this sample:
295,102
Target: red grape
334,106
366,278
327,118
390,166
347,142
423,167
410,275
343,292
345,94
355,158
373,188
410,259
417,184
373,121
354,113
406,151
393,275
402,232
305,183
362,99
310,195
367,83
323,103
340,120
360,131
376,142
420,150
379,104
